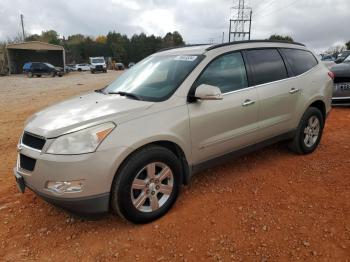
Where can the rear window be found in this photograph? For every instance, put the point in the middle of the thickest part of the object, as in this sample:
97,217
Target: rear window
300,61
267,65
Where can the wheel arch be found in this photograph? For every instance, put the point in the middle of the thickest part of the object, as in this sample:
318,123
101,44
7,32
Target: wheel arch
170,145
320,105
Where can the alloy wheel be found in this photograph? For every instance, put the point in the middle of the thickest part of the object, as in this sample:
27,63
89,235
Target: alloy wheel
312,131
152,187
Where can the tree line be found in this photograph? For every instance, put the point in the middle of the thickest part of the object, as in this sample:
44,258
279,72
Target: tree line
118,46
333,51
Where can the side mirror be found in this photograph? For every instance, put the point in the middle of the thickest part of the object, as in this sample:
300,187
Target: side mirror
208,92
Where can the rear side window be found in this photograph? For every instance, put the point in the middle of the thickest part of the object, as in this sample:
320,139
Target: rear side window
300,61
267,65
226,72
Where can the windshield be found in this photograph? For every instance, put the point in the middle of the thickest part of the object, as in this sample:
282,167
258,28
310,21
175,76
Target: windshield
347,60
49,65
97,60
155,78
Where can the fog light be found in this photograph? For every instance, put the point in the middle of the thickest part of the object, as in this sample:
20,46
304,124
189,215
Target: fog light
61,187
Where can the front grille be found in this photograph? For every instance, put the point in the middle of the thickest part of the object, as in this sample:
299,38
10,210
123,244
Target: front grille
26,162
98,67
33,141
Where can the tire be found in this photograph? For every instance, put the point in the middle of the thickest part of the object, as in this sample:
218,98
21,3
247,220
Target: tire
79,69
124,195
309,132
92,72
38,75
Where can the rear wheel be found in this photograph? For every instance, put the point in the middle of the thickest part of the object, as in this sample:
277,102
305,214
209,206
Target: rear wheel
147,185
309,132
79,69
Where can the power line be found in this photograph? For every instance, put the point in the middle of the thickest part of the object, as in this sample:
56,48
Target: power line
268,4
276,10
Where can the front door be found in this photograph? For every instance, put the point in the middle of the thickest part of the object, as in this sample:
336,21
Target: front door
221,126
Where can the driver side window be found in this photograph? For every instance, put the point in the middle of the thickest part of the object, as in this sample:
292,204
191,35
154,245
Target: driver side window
226,72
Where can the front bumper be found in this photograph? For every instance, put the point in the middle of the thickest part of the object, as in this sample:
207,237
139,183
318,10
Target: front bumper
341,94
98,68
341,101
96,170
92,205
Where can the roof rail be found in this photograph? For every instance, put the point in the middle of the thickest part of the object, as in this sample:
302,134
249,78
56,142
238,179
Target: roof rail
251,41
180,46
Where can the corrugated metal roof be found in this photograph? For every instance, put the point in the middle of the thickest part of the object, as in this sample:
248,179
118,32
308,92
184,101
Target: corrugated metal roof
34,45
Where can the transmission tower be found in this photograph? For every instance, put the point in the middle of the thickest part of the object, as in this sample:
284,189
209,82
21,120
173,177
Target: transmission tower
240,21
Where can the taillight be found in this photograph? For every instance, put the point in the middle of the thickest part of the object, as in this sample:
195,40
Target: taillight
331,75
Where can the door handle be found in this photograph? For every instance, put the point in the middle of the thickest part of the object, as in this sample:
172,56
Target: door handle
294,90
248,102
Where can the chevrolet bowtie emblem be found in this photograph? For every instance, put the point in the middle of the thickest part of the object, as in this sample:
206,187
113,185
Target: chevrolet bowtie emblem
19,148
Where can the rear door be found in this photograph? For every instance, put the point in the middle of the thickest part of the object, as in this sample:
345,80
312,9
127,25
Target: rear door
278,94
221,126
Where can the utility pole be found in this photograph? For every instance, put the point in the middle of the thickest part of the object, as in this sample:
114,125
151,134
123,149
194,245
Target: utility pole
240,21
24,37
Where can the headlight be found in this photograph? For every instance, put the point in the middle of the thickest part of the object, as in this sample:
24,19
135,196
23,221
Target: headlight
80,142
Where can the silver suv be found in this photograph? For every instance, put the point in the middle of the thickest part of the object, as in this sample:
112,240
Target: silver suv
131,145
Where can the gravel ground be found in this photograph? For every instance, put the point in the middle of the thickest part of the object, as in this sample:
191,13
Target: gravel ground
271,205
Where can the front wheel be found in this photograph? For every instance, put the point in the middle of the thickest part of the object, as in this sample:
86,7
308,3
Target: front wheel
147,185
309,132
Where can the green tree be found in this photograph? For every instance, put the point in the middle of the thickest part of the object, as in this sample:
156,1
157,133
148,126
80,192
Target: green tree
172,39
281,38
347,45
50,37
115,45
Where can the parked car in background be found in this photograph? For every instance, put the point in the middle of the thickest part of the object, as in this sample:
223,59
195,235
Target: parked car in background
39,69
82,67
131,64
98,64
119,66
130,146
69,68
342,56
341,92
328,60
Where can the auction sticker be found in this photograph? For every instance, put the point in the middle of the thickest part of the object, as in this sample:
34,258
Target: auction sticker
189,58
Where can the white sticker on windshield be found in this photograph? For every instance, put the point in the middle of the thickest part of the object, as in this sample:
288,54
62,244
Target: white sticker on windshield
189,58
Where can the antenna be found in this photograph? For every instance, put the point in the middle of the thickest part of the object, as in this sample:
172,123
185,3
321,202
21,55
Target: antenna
240,21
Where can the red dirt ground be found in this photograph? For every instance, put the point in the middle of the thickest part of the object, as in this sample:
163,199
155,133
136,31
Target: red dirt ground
271,205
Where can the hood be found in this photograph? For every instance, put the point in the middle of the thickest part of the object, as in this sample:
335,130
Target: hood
341,70
82,111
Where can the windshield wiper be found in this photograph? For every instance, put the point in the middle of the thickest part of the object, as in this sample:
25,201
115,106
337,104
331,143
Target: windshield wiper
101,90
131,95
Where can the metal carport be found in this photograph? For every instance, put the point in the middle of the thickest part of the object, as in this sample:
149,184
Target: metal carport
33,51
